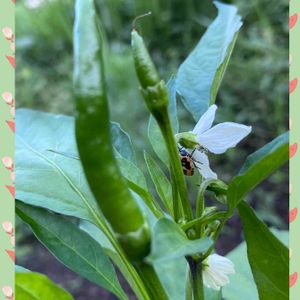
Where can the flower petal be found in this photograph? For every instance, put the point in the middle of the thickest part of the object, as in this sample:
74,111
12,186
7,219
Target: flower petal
206,120
209,280
221,263
202,164
223,136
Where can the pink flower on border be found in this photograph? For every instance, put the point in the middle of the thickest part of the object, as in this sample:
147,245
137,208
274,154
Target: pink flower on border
8,162
8,292
8,227
8,98
8,33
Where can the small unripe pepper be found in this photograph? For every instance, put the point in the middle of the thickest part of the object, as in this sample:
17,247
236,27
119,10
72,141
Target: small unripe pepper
155,93
94,137
154,90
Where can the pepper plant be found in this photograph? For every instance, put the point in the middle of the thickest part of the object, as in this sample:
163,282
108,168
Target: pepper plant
81,191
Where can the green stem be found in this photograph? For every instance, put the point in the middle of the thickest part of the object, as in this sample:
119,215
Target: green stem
197,280
132,271
204,220
189,287
216,234
177,176
200,205
151,280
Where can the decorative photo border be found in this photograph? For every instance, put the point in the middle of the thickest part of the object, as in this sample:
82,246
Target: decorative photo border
294,62
7,127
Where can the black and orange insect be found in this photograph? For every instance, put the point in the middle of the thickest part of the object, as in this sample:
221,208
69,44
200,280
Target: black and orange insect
187,162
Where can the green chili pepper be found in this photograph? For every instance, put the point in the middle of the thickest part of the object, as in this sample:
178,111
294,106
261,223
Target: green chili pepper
94,137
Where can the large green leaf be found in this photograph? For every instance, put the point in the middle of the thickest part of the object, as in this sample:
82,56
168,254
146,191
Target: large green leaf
155,137
170,242
268,257
72,246
61,184
242,285
200,75
46,149
161,182
35,286
257,167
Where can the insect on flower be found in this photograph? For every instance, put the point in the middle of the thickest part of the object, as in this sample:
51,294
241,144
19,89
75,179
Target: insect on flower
188,162
205,138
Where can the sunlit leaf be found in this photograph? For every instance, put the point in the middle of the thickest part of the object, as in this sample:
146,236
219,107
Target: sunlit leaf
200,75
35,286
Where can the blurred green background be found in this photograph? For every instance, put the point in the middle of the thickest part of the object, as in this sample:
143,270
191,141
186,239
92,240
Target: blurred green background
254,90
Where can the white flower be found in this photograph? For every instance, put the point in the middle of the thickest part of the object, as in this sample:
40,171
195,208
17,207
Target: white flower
217,139
216,270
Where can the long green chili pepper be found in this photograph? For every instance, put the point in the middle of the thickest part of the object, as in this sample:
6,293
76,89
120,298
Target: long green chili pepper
94,139
155,94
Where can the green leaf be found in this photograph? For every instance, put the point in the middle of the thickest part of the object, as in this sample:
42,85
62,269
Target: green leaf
61,184
268,257
135,179
242,285
132,173
200,75
136,182
35,286
170,242
72,246
122,142
95,233
257,167
174,285
221,71
155,137
161,182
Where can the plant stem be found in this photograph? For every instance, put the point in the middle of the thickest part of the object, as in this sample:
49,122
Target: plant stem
132,271
197,280
216,234
177,176
200,204
151,280
204,220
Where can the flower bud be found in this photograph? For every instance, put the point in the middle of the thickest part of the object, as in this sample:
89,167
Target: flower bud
187,140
